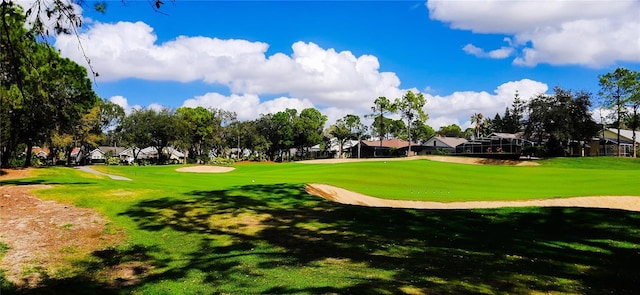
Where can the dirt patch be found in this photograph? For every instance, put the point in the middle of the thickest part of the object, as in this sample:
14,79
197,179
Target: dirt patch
448,159
480,161
44,236
15,173
344,196
206,169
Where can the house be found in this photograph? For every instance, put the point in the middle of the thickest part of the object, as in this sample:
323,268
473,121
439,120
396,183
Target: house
495,145
76,156
333,149
606,144
151,153
97,156
174,155
40,153
442,143
388,148
111,151
127,155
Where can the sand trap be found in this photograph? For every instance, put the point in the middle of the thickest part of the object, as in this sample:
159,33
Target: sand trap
449,159
344,196
205,169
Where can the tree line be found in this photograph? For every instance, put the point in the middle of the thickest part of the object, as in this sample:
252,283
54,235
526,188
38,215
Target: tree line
564,119
47,100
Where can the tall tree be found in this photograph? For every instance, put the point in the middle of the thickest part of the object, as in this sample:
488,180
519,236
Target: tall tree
283,135
563,117
136,130
341,133
196,127
633,104
410,107
477,120
617,89
41,91
309,127
452,130
381,107
163,131
356,128
421,132
512,119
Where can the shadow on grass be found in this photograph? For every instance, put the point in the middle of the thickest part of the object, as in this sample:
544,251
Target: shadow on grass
250,235
30,181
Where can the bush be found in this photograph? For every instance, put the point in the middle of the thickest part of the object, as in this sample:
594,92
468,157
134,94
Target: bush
114,161
441,152
222,161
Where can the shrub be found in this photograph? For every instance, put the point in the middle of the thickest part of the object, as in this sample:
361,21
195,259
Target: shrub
114,161
222,161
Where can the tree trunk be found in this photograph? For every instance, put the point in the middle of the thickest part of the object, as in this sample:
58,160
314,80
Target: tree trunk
29,152
359,145
634,143
409,137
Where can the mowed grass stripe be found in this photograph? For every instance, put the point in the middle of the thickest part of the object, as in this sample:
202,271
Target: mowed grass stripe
415,180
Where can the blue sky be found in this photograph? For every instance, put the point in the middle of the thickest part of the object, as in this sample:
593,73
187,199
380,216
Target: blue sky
256,57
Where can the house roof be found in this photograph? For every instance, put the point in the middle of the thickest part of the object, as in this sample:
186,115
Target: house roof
627,135
115,149
75,151
449,141
505,135
335,146
389,143
96,150
174,152
44,152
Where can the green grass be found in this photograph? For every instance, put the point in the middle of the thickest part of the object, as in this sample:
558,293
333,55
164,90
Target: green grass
256,231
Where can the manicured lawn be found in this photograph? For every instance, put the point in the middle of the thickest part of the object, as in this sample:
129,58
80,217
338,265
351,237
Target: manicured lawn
256,231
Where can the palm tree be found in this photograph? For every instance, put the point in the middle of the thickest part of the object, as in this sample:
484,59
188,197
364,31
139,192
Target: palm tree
477,119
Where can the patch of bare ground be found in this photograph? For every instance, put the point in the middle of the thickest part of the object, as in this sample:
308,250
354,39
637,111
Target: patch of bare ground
45,237
15,173
340,195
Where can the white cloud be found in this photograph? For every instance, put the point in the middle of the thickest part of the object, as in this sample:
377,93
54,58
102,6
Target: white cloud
501,53
124,103
325,76
592,33
458,107
335,82
248,106
156,107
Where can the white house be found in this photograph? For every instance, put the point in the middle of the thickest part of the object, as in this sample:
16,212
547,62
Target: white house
333,148
443,143
606,144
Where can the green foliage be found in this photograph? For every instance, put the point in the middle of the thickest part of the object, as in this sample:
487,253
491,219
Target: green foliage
381,107
42,93
220,161
452,130
113,161
617,88
563,117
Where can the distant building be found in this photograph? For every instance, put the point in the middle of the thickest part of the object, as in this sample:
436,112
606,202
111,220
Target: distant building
442,143
606,144
495,145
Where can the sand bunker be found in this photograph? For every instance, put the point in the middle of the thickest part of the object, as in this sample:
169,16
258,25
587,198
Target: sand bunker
449,159
352,198
205,169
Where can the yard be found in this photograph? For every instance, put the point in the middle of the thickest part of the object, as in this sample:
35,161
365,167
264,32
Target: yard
255,230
